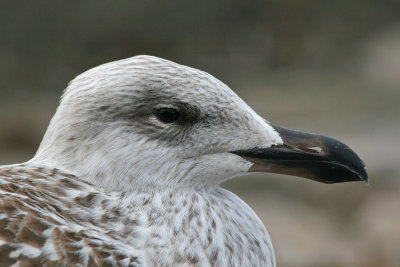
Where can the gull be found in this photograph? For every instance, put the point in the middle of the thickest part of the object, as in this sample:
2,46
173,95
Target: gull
129,171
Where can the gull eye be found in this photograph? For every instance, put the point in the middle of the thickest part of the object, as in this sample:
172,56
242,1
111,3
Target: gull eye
167,115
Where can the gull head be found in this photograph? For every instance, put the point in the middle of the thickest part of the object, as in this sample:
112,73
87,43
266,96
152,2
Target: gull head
146,123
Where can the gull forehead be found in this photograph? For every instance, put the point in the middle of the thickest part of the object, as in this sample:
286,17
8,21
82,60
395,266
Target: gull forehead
151,81
155,75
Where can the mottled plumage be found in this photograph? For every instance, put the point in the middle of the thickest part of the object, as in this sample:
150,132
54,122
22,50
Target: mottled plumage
51,217
112,184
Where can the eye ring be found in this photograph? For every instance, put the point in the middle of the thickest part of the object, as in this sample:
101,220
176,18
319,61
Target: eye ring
167,115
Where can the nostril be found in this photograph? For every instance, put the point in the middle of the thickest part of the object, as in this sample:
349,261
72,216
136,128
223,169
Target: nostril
312,149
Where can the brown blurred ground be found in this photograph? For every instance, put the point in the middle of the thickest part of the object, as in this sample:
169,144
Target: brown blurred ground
331,67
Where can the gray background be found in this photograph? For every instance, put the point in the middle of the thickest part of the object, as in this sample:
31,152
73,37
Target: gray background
331,67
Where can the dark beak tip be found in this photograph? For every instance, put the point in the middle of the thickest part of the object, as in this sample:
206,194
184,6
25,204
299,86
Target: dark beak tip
360,169
364,175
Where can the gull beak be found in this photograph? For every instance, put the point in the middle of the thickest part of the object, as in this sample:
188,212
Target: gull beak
311,156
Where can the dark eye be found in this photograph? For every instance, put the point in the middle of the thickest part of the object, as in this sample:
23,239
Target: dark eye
167,115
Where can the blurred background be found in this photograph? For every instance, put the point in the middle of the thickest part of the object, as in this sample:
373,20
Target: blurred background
330,67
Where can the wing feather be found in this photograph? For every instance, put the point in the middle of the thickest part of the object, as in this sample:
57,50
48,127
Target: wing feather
51,218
